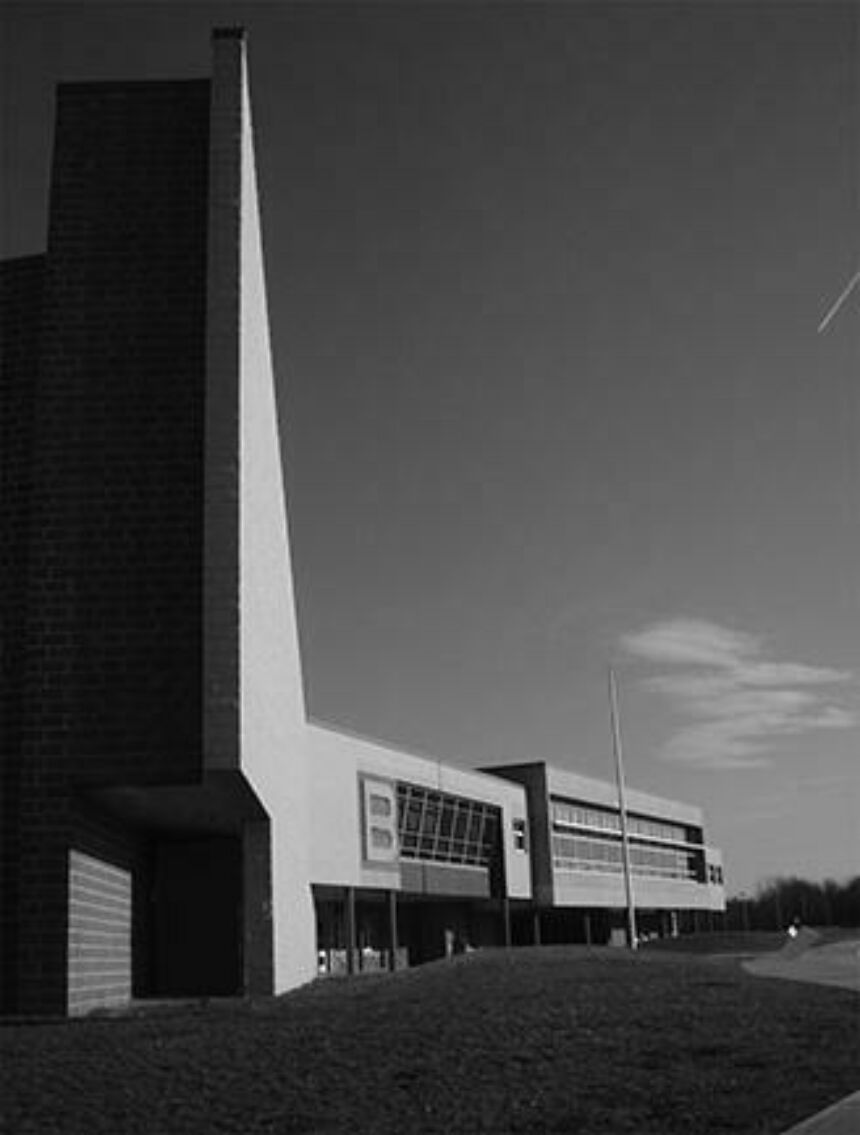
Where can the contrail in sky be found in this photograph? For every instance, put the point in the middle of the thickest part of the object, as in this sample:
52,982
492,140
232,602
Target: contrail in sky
822,326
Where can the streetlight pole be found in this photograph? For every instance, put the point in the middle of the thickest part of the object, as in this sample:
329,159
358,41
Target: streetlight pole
743,899
622,808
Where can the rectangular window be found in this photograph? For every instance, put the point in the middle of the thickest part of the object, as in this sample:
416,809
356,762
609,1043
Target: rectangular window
379,820
574,852
382,839
520,835
379,805
588,838
445,829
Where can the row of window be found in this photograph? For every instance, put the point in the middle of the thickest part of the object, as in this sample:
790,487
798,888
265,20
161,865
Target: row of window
569,815
578,853
447,829
420,823
656,829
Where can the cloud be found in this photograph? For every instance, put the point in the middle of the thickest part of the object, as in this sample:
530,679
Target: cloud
690,640
740,702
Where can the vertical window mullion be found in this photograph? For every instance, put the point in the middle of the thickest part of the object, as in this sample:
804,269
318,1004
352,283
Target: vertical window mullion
452,829
402,809
437,830
419,847
480,856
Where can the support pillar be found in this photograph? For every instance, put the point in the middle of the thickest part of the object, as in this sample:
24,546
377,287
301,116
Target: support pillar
392,930
536,922
350,929
257,940
506,919
587,929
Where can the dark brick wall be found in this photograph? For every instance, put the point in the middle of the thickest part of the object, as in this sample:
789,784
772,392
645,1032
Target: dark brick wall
257,943
532,777
114,644
20,319
106,635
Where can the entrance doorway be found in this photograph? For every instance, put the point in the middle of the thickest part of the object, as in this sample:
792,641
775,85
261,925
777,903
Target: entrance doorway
197,917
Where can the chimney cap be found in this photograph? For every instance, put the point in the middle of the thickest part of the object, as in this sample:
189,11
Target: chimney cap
228,33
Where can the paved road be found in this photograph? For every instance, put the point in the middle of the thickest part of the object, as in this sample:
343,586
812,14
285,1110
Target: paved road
837,964
841,1119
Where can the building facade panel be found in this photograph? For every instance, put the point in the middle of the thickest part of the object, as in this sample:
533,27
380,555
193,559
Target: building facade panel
593,890
271,689
578,853
573,786
341,763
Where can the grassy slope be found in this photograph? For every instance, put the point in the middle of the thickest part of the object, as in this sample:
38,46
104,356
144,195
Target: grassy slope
551,1040
722,942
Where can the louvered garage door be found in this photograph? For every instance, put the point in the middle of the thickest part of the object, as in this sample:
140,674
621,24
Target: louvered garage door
99,933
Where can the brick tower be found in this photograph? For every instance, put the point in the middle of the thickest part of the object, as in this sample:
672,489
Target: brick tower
152,737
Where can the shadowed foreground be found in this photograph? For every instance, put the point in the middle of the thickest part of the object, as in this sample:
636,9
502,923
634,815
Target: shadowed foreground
557,1039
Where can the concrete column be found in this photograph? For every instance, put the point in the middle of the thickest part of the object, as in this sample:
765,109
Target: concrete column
257,959
349,894
392,929
536,923
506,919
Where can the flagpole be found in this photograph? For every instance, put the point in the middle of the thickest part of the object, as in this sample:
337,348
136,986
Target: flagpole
622,808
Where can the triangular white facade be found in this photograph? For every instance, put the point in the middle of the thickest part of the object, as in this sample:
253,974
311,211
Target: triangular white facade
254,721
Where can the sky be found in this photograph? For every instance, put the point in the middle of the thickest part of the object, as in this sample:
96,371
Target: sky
544,286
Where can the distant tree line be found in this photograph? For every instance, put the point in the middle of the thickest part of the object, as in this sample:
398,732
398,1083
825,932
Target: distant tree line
778,902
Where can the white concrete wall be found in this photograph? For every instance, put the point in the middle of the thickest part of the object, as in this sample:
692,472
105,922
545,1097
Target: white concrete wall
272,711
335,839
253,705
605,793
591,888
716,891
338,760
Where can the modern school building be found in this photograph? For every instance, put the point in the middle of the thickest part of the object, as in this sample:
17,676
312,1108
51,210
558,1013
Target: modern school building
173,824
